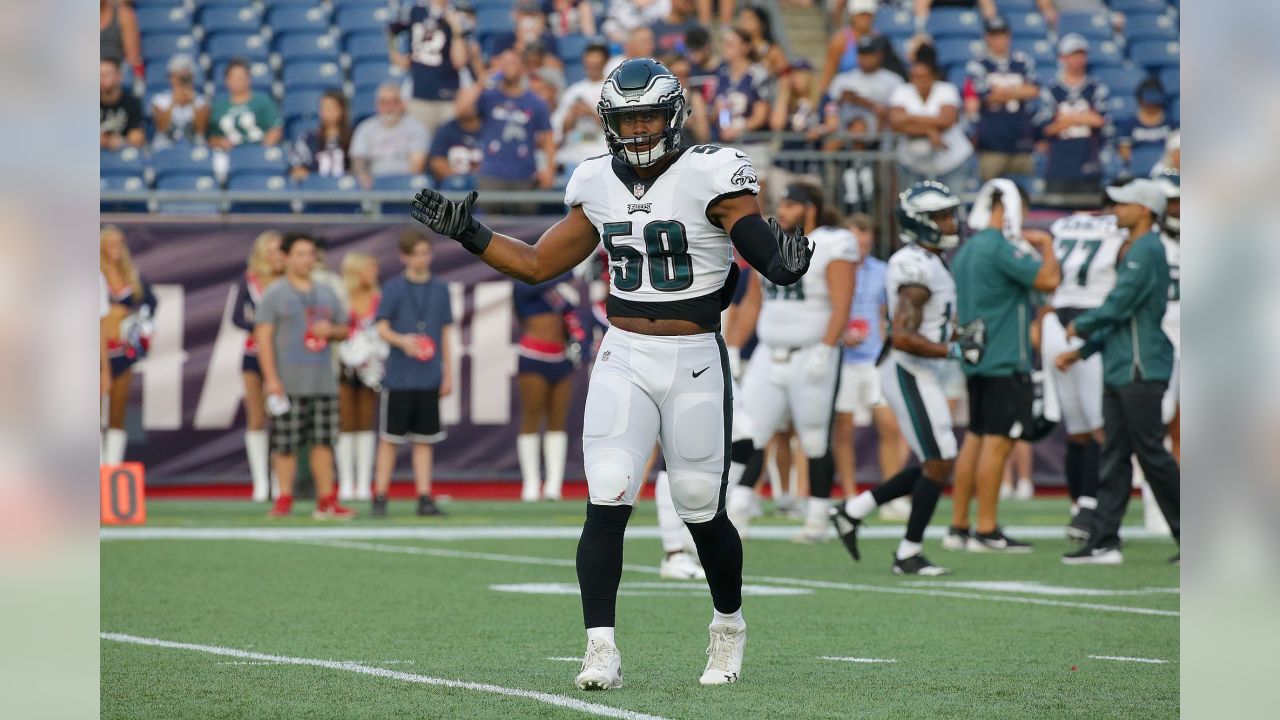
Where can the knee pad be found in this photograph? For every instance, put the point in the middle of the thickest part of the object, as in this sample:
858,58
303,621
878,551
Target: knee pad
816,441
696,495
610,477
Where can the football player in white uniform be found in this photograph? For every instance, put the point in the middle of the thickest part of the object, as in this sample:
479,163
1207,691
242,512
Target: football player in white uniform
1086,245
666,214
794,372
922,343
1171,234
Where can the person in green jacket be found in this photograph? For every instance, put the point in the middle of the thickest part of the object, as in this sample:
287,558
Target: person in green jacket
1137,361
996,271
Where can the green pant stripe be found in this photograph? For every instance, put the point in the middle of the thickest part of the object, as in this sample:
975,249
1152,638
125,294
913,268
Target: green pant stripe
919,415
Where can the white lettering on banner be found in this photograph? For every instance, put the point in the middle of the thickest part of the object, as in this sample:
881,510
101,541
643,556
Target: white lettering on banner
223,389
451,406
493,356
162,370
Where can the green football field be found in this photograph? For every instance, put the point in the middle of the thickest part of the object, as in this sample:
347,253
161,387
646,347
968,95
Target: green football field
212,611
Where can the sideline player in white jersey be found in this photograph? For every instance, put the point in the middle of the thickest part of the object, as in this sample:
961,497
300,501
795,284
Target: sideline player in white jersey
922,344
1086,245
794,372
666,215
1171,234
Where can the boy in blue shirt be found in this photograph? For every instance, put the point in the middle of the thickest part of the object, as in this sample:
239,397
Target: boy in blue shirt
414,318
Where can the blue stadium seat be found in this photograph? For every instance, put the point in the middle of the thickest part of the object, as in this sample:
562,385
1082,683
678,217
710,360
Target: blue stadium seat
1105,54
1171,79
956,76
477,4
372,73
573,72
406,184
126,162
895,23
259,183
1007,7
458,184
306,47
272,4
1093,26
362,46
338,4
1146,26
157,77
356,18
493,20
1175,111
298,125
164,19
312,76
214,20
201,4
363,104
300,103
1155,53
182,161
1121,80
1144,158
188,183
293,19
1136,6
158,47
256,160
317,183
954,22
957,51
1121,107
132,183
1023,25
149,4
224,46
1040,50
572,46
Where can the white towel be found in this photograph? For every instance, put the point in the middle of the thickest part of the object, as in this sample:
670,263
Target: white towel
980,213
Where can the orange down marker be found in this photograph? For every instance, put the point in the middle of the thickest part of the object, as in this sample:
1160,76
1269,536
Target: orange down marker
123,494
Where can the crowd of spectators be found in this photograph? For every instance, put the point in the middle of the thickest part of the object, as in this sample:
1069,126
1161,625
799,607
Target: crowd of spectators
511,105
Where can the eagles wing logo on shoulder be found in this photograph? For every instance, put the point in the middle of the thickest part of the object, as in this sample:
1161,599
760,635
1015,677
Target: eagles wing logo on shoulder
745,175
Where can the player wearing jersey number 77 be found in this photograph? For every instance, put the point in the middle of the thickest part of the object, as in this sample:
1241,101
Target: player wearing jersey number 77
666,215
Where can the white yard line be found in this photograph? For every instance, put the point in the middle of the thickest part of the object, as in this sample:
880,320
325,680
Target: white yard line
548,698
858,659
493,532
566,659
1149,661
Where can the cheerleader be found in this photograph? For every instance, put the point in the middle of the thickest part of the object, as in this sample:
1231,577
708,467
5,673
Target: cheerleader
127,328
362,355
265,266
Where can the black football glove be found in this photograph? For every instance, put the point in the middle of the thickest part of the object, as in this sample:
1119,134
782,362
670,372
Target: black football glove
796,249
970,342
452,219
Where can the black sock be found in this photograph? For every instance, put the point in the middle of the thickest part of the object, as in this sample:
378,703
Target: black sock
822,476
755,464
899,485
1071,468
924,499
600,562
720,551
1090,466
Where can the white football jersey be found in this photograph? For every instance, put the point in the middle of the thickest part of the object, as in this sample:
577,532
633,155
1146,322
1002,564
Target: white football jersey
1173,311
914,265
1086,246
662,246
797,315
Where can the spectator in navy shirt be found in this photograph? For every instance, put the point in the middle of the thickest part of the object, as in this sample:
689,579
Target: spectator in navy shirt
439,47
516,124
455,150
325,149
1141,140
739,107
1005,83
702,62
669,32
1072,117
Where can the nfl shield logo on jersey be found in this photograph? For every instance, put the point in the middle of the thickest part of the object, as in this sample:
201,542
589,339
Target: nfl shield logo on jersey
638,190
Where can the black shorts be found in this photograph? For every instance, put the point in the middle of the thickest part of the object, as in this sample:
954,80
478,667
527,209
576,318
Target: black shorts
411,415
1000,405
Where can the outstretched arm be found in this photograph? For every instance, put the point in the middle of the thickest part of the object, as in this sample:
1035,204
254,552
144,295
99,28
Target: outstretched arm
761,244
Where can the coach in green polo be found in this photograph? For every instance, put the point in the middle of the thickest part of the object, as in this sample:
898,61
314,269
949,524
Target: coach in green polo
1137,361
996,270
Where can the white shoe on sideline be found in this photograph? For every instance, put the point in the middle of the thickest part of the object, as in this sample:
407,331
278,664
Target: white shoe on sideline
1006,491
724,654
898,510
601,667
1025,490
681,566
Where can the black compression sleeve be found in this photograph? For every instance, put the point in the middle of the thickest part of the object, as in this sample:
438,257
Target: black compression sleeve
755,242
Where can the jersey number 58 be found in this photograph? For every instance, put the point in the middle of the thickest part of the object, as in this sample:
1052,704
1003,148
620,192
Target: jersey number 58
665,245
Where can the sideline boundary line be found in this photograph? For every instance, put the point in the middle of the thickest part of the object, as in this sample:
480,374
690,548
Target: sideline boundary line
548,698
1118,658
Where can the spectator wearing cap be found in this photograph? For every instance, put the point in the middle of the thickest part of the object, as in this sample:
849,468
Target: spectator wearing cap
455,149
1148,132
530,31
1072,118
181,113
697,126
575,122
1005,83
627,16
324,150
1137,360
926,112
740,106
702,61
440,46
515,125
243,116
842,50
390,142
669,32
119,113
859,98
568,17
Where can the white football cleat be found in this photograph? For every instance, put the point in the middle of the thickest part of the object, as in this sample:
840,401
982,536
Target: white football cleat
601,667
681,566
895,510
724,654
1024,490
